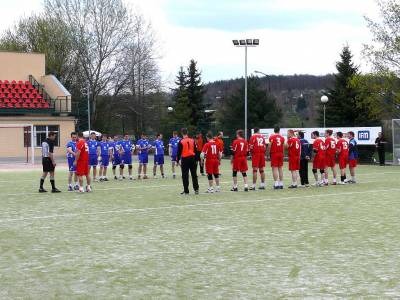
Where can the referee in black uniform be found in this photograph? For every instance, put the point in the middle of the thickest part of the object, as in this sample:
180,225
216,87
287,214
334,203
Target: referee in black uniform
48,163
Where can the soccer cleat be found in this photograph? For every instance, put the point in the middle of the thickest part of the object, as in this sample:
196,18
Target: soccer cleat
163,176
42,190
281,187
105,179
246,189
145,177
88,189
101,179
196,192
174,176
293,187
261,188
115,178
81,190
184,194
217,189
70,189
342,183
210,191
325,184
130,178
55,190
253,188
234,189
334,183
123,177
276,187
96,180
120,178
76,187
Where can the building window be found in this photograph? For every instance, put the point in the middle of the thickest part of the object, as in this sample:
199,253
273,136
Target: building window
40,133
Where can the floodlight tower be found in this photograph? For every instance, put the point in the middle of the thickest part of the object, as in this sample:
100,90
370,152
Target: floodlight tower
245,44
324,100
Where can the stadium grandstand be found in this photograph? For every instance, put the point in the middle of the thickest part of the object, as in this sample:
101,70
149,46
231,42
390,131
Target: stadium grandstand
31,105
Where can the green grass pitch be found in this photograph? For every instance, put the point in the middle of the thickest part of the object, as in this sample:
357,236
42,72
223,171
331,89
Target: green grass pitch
142,240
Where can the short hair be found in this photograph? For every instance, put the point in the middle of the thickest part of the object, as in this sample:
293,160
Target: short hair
209,135
329,131
240,133
339,134
92,133
291,131
104,135
184,131
220,133
256,130
158,134
125,134
316,133
80,134
277,129
301,134
73,133
351,133
174,132
52,133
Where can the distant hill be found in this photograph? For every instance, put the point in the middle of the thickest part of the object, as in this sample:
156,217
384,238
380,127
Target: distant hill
297,95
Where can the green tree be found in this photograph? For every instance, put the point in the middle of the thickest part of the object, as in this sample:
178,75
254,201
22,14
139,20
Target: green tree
195,93
262,109
341,110
377,97
384,52
182,110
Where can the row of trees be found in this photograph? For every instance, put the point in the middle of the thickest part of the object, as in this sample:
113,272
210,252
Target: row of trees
95,45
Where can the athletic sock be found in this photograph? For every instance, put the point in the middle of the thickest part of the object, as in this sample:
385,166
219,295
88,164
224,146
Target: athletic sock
334,180
41,182
280,183
53,184
262,184
353,178
276,183
342,178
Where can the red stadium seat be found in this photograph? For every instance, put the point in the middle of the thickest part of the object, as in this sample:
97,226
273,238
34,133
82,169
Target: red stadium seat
46,105
6,82
18,105
20,82
10,105
24,96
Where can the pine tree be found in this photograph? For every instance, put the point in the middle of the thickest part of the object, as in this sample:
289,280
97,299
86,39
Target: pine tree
182,113
262,109
341,110
195,93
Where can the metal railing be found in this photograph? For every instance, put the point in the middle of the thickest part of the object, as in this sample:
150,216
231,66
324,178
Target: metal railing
62,104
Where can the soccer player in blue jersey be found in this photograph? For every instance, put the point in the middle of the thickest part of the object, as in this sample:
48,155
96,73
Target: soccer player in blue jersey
173,151
105,154
158,146
93,146
143,145
353,156
127,148
116,156
71,149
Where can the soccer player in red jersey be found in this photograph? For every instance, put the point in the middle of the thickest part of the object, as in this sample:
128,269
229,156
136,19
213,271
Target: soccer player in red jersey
211,152
330,156
239,148
294,152
276,152
342,148
82,163
258,147
319,158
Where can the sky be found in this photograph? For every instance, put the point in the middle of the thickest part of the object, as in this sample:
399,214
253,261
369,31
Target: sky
296,36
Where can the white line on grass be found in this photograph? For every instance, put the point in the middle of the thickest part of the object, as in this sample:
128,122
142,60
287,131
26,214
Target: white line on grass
131,210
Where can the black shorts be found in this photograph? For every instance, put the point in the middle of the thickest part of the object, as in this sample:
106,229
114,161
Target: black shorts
47,164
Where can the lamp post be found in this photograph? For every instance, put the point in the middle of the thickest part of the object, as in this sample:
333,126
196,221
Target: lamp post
324,100
245,44
266,76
